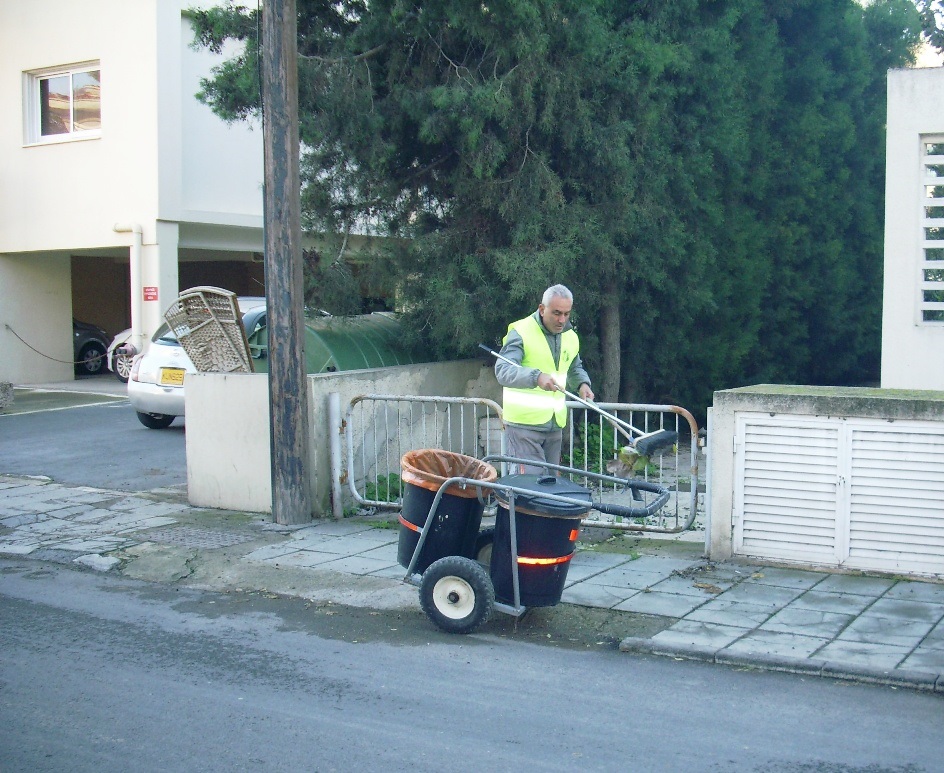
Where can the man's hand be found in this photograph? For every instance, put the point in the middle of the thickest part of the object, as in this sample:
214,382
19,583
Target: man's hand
547,382
586,392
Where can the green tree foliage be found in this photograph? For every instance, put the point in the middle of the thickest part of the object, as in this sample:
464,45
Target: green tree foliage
932,22
706,175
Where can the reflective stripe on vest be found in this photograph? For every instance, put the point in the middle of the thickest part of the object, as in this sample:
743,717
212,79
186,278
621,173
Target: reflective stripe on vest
537,406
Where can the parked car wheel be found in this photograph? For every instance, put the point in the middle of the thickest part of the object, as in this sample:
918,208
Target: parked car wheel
155,420
89,348
122,364
91,359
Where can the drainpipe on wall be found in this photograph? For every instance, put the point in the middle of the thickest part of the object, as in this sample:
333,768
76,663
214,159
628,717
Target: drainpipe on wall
137,291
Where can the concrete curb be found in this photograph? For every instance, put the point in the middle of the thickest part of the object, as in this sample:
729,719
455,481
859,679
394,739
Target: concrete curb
917,680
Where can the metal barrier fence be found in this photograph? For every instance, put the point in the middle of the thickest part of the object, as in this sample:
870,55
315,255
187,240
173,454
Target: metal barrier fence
379,429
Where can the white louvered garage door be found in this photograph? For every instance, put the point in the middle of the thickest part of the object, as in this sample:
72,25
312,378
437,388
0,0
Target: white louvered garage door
860,493
786,507
897,498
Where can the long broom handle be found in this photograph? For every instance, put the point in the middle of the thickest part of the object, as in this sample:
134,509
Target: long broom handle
586,403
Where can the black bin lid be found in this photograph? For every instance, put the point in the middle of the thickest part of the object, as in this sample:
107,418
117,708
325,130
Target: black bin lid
545,484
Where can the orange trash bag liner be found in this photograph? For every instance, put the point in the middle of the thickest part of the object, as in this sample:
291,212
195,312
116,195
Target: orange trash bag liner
429,468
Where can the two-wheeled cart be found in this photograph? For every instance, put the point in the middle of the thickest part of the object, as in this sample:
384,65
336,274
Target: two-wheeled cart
464,572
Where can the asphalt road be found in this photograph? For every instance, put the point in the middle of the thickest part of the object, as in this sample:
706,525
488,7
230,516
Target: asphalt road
90,440
104,673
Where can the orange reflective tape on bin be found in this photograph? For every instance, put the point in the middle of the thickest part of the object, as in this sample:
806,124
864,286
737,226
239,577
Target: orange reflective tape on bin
544,561
429,468
410,526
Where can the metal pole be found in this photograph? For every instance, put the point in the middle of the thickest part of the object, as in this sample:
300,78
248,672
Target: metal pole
337,464
288,384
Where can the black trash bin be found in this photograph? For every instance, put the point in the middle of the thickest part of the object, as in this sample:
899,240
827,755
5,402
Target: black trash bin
456,523
547,534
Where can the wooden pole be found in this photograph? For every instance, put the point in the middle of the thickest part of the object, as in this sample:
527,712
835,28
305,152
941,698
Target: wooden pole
288,384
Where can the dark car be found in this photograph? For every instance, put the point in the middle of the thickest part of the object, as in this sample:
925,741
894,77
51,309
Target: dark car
90,346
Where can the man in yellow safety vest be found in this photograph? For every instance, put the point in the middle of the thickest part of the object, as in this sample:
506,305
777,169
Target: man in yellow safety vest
546,351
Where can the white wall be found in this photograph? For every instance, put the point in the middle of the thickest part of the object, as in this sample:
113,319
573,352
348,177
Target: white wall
912,353
67,195
228,426
32,309
221,164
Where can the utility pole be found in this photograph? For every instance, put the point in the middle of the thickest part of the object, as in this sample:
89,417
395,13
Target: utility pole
288,383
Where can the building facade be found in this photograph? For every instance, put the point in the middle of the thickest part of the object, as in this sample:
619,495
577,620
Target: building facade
117,186
913,302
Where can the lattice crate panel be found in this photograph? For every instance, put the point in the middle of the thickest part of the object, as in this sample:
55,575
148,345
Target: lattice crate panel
208,325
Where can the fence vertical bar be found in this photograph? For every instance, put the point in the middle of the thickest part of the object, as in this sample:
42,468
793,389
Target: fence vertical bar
334,433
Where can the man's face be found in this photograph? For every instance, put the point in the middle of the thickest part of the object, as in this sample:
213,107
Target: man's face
555,314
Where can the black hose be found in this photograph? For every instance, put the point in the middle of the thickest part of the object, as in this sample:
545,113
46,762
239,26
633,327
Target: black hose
629,511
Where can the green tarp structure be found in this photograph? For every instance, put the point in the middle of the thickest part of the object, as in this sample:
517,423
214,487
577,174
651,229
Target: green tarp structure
344,343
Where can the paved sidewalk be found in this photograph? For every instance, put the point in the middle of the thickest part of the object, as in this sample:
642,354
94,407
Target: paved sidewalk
871,628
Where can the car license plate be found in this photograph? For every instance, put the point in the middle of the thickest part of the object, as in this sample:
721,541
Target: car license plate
172,376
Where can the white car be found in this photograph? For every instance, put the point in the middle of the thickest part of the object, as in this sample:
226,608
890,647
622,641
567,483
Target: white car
156,379
119,356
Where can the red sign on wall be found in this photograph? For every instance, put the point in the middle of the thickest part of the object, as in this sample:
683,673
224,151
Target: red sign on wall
150,293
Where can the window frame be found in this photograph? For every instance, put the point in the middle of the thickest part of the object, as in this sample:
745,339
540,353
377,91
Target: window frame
32,112
930,275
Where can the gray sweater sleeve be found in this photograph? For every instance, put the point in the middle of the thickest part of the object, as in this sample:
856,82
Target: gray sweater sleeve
576,375
515,376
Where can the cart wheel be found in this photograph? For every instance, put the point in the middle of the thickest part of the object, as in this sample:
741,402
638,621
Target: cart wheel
457,594
483,546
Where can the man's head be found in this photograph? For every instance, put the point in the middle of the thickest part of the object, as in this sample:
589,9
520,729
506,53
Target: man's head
555,308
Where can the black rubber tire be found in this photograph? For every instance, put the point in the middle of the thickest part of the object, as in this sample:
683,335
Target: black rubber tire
91,359
483,546
155,420
122,364
456,594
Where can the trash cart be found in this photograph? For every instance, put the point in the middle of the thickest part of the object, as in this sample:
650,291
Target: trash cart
456,522
534,539
546,532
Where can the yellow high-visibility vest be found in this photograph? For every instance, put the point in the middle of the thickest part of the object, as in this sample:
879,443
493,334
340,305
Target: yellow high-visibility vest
537,406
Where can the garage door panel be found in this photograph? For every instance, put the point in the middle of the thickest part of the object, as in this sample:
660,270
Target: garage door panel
789,490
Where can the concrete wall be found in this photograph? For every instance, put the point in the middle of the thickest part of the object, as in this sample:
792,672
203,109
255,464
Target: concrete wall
911,349
35,323
228,426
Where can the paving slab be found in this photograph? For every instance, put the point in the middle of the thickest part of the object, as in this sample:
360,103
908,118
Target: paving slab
870,629
845,654
589,595
710,636
724,611
655,603
776,643
925,659
829,601
623,577
771,596
358,565
917,591
906,609
784,578
809,622
302,558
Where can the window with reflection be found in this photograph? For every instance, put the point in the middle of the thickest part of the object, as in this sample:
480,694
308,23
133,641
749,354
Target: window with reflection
65,103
